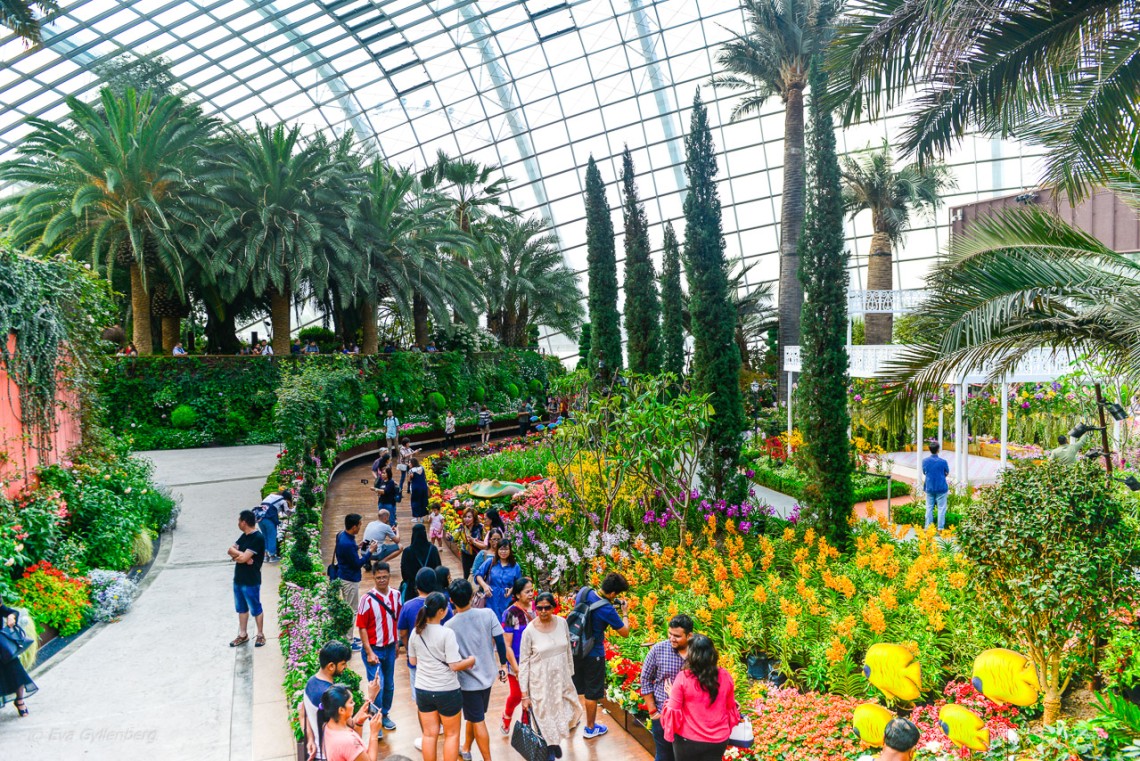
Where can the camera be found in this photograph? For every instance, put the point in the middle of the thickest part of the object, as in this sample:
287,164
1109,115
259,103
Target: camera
364,480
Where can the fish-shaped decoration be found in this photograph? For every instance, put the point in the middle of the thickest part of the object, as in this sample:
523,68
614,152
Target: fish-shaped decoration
1004,676
964,727
893,669
870,720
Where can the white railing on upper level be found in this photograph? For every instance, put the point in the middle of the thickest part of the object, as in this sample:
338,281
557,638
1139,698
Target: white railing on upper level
884,302
1037,366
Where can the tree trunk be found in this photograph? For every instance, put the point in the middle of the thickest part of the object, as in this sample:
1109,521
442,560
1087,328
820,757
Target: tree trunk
171,329
369,327
420,320
140,312
742,346
879,278
221,333
280,309
791,224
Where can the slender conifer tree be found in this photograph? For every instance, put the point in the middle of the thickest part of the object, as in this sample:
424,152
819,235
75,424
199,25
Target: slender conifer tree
823,386
716,359
605,323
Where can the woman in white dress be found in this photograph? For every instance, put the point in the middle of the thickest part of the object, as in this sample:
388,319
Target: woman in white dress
546,670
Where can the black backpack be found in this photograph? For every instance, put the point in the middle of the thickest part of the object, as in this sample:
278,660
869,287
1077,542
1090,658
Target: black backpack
581,625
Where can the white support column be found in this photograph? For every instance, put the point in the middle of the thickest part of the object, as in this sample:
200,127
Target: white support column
959,439
850,322
940,411
919,418
1004,423
789,443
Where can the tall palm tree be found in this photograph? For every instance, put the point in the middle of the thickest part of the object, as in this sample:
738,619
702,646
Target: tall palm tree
476,191
773,58
407,233
288,205
20,16
117,182
970,62
526,282
870,182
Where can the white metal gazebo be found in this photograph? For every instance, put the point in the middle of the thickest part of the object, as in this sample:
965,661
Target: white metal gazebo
1038,366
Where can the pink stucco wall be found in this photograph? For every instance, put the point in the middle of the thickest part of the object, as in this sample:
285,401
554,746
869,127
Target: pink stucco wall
20,457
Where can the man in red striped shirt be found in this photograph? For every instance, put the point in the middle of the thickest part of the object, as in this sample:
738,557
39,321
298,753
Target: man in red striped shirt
376,619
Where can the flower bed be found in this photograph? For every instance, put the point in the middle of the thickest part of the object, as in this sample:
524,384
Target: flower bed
788,479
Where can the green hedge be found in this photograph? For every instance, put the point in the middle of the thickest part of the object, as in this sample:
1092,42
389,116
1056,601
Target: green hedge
915,513
789,480
231,400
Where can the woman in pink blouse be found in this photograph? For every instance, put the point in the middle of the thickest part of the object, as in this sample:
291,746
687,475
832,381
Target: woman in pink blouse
702,709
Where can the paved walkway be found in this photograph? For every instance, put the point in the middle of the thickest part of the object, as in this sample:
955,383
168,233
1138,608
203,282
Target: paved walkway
161,683
347,495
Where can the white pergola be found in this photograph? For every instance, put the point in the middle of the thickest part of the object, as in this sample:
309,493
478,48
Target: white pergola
1038,366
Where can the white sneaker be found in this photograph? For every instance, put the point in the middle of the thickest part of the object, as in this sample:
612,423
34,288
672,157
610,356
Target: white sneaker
418,743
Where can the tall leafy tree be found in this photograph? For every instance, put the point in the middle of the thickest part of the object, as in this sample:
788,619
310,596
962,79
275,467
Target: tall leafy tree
870,182
113,184
672,307
716,360
642,307
772,58
969,62
20,16
823,385
407,232
605,323
525,281
287,205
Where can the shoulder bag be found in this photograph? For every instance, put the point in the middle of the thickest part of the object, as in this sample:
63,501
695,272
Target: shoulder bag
527,739
13,642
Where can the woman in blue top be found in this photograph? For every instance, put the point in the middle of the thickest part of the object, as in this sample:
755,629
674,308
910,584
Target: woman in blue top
497,577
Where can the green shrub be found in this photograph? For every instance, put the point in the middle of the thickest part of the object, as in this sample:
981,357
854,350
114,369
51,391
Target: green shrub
479,394
535,386
143,547
1048,545
914,513
183,417
512,391
325,338
436,400
371,405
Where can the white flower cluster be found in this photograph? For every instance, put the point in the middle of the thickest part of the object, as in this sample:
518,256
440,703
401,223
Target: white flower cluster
111,594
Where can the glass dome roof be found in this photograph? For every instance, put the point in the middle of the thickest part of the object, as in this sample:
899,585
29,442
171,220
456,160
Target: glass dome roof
536,86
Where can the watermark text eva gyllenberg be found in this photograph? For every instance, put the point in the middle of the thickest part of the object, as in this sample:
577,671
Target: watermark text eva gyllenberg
96,736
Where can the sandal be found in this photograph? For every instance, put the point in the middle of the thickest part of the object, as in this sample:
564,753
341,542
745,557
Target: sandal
259,641
240,640
21,707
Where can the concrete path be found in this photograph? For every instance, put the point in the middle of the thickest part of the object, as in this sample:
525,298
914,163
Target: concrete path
980,471
162,683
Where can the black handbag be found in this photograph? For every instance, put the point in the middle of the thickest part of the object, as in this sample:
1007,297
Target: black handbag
527,739
13,642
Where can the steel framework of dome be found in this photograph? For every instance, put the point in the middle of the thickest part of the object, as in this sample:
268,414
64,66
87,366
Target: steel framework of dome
535,86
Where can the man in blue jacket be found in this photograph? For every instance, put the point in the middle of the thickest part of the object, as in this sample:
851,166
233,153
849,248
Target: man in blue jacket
934,473
349,561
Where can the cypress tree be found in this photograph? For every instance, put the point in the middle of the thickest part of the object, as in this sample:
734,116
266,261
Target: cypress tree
642,308
672,327
716,359
605,327
823,384
583,347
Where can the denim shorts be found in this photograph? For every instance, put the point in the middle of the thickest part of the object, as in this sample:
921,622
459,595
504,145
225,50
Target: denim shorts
447,703
247,599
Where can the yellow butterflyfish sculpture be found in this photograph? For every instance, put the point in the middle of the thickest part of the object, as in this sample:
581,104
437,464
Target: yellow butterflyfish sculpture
893,669
1004,676
870,720
964,727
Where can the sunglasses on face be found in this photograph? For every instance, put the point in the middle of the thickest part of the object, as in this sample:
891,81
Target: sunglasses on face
544,607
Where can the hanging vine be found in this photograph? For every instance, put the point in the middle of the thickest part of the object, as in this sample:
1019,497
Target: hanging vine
56,310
